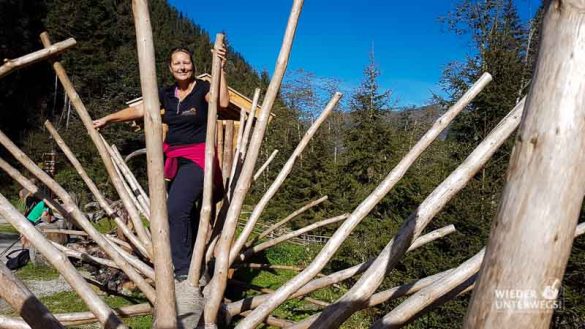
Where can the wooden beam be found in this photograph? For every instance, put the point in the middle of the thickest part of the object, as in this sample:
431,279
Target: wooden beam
531,236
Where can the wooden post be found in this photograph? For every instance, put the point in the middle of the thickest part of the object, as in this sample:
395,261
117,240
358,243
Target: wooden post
94,190
61,263
220,142
530,240
363,209
22,300
218,283
57,48
207,202
279,180
356,298
165,314
228,150
249,123
95,137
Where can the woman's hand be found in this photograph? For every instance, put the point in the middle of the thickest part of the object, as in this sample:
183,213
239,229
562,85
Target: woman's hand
222,54
100,123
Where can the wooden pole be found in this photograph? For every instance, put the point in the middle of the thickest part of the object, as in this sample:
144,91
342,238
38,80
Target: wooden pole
287,219
249,123
220,142
94,189
206,205
279,180
165,314
13,64
271,243
363,209
218,283
228,150
61,263
356,298
265,165
72,209
24,302
137,190
530,244
95,137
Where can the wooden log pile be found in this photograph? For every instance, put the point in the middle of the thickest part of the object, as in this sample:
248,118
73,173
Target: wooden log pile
544,178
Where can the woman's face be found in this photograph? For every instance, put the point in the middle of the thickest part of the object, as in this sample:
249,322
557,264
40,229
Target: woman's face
181,66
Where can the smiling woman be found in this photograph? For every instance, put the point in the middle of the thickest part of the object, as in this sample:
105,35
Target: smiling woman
184,108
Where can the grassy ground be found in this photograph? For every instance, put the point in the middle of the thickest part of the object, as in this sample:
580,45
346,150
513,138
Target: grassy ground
7,228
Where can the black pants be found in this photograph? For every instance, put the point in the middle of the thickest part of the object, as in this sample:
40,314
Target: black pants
183,209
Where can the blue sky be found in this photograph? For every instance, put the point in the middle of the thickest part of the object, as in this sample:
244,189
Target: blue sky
334,38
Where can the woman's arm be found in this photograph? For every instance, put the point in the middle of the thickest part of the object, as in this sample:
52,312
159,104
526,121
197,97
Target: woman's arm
127,114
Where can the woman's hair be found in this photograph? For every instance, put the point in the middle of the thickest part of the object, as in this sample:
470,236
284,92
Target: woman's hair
182,50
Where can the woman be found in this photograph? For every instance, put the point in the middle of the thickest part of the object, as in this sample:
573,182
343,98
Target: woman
184,108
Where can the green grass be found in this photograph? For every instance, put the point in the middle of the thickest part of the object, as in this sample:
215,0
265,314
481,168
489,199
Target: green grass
39,273
7,228
68,301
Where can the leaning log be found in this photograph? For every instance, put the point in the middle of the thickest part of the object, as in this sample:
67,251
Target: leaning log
24,302
363,209
207,204
218,283
20,62
95,137
530,240
165,315
60,262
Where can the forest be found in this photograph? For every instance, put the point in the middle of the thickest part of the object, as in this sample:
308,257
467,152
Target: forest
364,138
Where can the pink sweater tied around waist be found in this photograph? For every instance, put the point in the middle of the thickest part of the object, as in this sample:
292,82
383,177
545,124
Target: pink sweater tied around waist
196,154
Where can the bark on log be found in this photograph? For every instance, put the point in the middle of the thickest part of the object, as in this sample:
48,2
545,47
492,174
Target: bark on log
265,165
218,283
71,208
60,262
95,137
363,209
24,302
39,55
94,189
165,314
207,205
530,244
279,180
356,298
271,243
